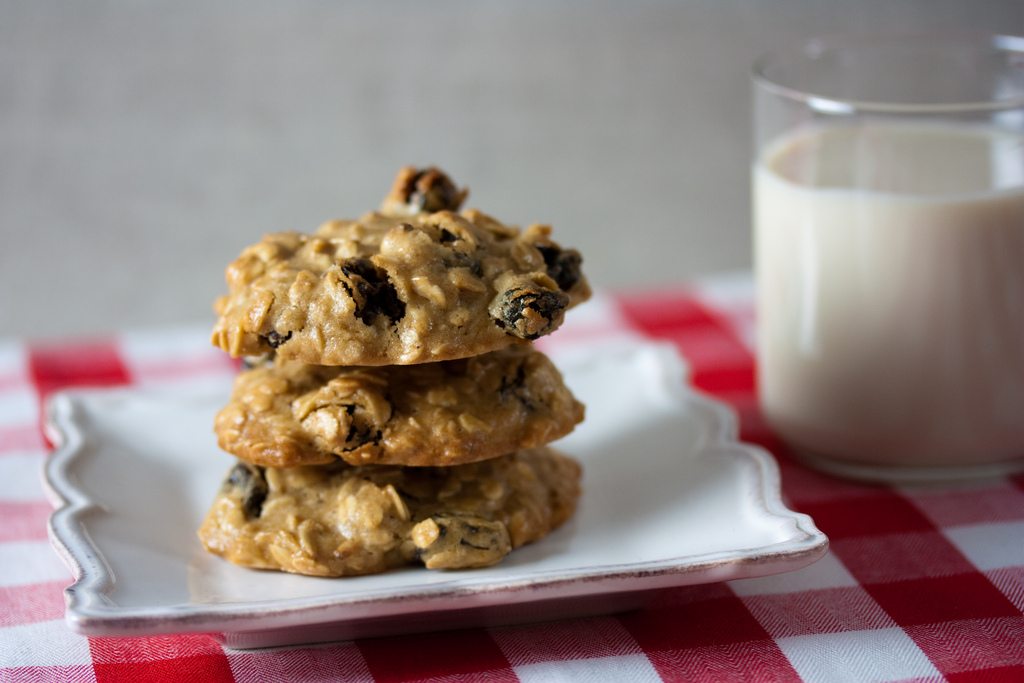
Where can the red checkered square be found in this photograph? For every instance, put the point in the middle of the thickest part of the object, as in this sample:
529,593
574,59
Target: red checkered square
948,598
710,348
971,644
719,361
1010,582
806,488
94,364
895,557
871,514
31,603
971,504
752,423
55,367
24,521
565,640
160,659
1000,674
758,660
687,595
725,381
152,648
659,313
718,621
468,655
337,662
821,611
207,668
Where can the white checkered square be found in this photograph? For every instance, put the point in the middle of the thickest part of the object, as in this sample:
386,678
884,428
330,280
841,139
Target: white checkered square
732,291
19,406
856,656
990,546
970,502
828,572
25,562
20,477
633,668
13,362
45,643
731,295
139,348
333,662
598,314
827,610
174,356
597,323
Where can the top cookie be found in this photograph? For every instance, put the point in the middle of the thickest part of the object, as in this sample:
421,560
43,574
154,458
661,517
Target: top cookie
415,282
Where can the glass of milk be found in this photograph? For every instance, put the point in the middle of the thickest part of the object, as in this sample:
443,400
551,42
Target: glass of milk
888,216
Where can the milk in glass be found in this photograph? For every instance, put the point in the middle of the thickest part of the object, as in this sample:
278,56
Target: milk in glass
890,260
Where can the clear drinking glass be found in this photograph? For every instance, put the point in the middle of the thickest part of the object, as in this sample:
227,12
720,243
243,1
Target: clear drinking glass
888,183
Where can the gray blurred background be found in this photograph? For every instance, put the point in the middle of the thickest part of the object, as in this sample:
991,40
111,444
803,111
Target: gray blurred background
143,144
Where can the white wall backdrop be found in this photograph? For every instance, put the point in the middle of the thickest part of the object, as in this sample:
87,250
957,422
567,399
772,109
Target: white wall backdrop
142,145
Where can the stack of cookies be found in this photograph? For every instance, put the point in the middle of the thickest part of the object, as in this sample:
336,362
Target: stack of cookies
393,409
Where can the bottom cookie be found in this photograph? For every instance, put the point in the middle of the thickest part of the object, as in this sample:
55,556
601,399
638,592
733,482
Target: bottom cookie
338,520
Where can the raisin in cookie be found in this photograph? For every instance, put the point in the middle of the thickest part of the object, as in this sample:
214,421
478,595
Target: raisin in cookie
418,190
408,284
338,520
433,414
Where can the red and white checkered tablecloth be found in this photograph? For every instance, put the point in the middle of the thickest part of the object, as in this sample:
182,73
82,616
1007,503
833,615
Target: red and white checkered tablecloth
919,585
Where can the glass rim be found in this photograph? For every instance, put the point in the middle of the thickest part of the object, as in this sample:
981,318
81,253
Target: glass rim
829,104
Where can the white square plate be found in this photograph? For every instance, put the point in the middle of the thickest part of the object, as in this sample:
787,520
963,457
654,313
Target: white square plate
670,498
